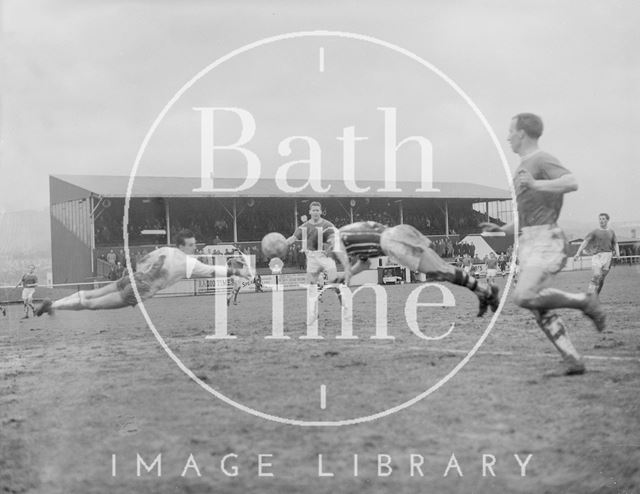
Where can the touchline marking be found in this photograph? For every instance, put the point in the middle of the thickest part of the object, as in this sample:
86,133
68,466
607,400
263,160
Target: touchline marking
512,354
323,397
322,59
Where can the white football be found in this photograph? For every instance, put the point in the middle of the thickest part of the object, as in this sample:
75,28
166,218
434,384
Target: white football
274,245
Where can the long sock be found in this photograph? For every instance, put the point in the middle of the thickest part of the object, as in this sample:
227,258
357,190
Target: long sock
72,302
600,285
553,326
464,279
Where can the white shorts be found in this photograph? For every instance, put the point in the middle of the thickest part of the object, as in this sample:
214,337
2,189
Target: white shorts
318,262
237,282
27,293
410,248
492,273
542,247
601,261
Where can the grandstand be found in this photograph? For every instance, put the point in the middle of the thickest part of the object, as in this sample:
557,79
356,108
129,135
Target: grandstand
87,215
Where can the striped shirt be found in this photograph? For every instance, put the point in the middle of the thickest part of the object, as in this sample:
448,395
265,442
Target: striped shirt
362,239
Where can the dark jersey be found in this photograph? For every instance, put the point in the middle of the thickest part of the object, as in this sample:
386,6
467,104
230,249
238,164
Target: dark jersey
311,230
29,280
601,240
535,207
362,240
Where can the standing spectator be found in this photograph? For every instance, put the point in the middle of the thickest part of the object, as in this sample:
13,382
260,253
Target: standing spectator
119,270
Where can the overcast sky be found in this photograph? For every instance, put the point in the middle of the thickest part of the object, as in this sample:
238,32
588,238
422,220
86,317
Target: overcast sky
84,80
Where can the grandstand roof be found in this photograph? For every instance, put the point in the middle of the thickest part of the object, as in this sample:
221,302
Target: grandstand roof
68,187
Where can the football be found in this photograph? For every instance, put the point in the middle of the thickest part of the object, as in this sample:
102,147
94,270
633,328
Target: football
274,245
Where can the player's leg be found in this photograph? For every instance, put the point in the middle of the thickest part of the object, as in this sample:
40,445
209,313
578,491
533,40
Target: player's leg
534,279
533,295
320,284
237,285
542,254
103,290
412,249
122,296
30,302
555,330
314,268
23,296
604,274
603,266
330,268
79,301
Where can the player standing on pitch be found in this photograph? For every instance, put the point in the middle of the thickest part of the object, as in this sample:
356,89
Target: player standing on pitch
317,235
491,262
237,282
156,271
602,243
411,249
29,282
540,183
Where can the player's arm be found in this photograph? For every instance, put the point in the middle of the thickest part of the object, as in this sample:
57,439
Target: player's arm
616,246
295,236
198,269
559,185
584,243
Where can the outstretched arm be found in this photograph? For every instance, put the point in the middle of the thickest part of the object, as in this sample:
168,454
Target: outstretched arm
295,236
584,243
197,269
561,185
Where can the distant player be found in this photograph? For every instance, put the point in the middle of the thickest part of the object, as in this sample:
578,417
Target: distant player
29,282
237,281
467,262
317,236
156,271
411,249
491,262
540,184
602,244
